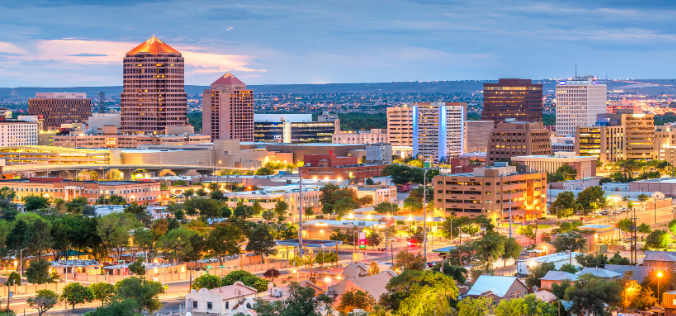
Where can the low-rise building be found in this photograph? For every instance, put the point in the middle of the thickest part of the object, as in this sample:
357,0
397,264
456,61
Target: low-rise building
269,196
523,266
110,138
18,133
374,285
291,128
556,277
585,165
660,260
218,301
624,135
379,193
373,136
59,188
477,134
493,192
379,153
332,167
498,288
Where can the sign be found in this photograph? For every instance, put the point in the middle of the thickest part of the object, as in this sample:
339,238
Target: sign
362,240
166,286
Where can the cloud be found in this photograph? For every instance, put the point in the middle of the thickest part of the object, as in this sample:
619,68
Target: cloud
88,55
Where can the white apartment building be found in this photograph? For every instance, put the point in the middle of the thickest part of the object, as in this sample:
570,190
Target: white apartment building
438,129
578,102
18,133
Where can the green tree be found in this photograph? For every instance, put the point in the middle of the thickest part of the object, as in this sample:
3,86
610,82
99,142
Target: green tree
355,299
480,306
528,305
17,236
13,279
642,197
591,261
420,293
409,261
201,192
489,249
567,172
368,181
512,250
268,215
188,193
301,301
592,295
374,239
626,225
44,301
386,208
659,239
35,202
257,208
264,171
76,294
144,292
38,239
458,273
224,241
115,232
261,242
644,229
592,198
176,243
527,231
38,272
413,204
281,207
102,291
207,281
572,241
567,267
618,259
137,267
373,268
644,299
116,308
327,209
139,211
537,272
565,204
243,211
343,206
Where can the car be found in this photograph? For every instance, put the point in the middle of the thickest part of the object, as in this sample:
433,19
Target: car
604,212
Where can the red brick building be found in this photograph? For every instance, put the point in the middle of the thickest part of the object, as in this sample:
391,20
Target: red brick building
332,167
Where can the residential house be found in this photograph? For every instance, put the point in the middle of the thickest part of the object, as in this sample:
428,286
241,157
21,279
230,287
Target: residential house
498,288
355,270
601,273
638,273
374,285
556,277
660,259
218,301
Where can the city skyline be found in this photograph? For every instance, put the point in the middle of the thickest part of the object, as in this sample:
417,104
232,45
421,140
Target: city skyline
73,43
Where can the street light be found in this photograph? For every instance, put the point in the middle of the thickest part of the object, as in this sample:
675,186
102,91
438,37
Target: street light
659,276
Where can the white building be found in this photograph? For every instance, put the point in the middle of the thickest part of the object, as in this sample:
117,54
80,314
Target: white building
438,129
559,259
218,301
18,133
379,154
577,103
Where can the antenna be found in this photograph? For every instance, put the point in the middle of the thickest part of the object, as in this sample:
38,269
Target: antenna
102,102
575,70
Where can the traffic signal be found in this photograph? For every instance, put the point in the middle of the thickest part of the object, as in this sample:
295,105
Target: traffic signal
362,240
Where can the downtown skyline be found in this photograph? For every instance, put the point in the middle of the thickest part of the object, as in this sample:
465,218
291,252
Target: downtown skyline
75,43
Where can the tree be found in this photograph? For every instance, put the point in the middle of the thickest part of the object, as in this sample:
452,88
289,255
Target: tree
75,294
527,231
626,225
281,207
102,291
559,290
374,239
226,212
631,292
567,267
308,212
658,239
592,295
644,299
331,194
413,204
111,199
409,261
115,232
301,301
263,171
272,273
489,249
368,181
537,272
256,208
385,207
223,241
268,215
261,242
38,272
243,211
458,273
140,211
618,259
343,206
35,202
528,305
188,193
512,250
144,292
44,301
17,236
567,171
572,241
591,260
644,229
373,268
201,192
207,281
565,204
355,299
592,198
176,243
420,293
116,308
642,197
137,267
480,306
327,209
38,238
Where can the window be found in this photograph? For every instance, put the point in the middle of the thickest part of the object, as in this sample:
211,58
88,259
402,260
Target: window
227,305
194,304
209,305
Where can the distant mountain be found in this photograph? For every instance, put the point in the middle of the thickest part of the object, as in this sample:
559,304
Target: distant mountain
647,86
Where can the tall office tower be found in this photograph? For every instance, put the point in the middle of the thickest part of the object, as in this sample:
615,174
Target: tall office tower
60,108
578,102
400,129
519,99
622,135
153,97
512,138
438,130
477,134
228,110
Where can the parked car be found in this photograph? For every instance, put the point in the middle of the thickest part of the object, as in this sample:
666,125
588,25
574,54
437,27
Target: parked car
604,212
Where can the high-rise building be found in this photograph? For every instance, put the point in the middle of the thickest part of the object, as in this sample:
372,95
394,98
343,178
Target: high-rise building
228,110
60,108
622,135
477,134
519,99
578,102
153,96
292,129
487,191
18,133
518,139
438,130
400,126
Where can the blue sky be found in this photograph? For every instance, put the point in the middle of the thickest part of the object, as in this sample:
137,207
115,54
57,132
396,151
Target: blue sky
62,43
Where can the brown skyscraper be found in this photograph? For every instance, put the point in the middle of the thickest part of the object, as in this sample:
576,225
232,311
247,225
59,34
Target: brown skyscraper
512,98
228,110
153,95
58,108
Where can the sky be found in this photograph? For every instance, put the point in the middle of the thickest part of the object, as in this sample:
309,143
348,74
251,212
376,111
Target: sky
69,43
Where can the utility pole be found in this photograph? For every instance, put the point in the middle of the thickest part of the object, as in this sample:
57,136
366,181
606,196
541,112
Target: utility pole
425,215
510,213
300,212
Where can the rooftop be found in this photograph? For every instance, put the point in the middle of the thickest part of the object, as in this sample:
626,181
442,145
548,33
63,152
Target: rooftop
312,243
153,46
551,258
228,79
498,285
600,272
559,276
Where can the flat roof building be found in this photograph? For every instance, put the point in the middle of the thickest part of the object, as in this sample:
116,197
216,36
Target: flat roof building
519,99
585,165
623,135
59,188
518,139
292,128
400,125
438,130
578,102
477,135
60,107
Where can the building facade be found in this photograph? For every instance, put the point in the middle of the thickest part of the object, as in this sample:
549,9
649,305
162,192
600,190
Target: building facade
18,133
59,108
127,140
622,135
400,126
585,165
519,99
228,110
379,154
153,96
373,136
477,134
438,130
578,102
563,144
518,139
292,129
59,188
492,191
332,167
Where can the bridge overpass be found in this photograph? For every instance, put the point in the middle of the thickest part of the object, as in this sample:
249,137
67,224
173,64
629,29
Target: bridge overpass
70,171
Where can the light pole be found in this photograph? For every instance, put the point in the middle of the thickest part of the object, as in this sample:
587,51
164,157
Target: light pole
659,276
21,261
425,215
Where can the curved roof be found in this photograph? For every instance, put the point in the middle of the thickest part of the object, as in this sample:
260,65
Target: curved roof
228,79
153,46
